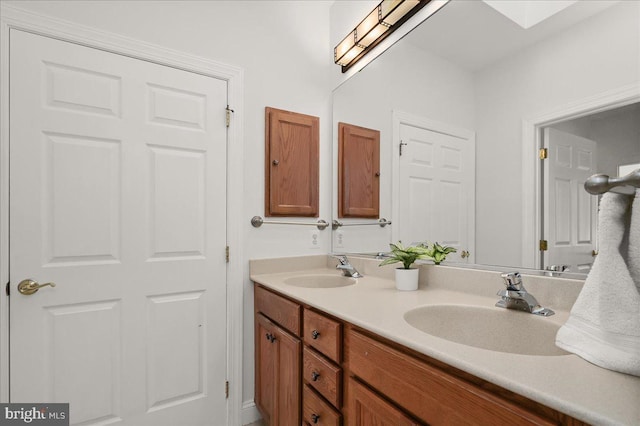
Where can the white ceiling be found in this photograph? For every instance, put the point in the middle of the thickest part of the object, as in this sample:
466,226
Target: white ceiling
473,35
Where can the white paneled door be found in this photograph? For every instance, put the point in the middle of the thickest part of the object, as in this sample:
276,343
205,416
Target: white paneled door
570,211
118,196
436,192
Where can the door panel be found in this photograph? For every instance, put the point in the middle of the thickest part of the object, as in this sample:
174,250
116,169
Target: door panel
118,195
571,211
436,193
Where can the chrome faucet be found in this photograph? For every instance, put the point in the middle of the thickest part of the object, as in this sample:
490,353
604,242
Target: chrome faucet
515,296
347,269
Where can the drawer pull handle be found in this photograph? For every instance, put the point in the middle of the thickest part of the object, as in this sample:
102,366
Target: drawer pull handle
315,376
315,418
315,334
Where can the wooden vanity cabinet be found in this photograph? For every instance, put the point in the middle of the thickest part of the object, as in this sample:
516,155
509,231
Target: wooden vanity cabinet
322,372
430,394
366,408
354,377
278,358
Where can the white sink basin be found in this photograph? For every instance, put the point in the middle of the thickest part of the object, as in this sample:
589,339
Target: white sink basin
320,281
495,329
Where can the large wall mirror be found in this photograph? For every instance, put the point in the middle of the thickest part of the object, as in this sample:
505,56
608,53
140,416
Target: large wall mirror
463,104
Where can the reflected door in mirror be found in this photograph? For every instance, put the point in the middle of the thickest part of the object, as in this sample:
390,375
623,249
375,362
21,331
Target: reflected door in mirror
436,193
572,211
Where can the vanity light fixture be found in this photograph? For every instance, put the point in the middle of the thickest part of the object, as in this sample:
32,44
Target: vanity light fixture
378,24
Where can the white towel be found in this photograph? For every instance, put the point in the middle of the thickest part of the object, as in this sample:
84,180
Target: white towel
633,256
604,324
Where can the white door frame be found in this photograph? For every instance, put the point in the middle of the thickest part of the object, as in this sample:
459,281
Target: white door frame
16,18
399,118
531,139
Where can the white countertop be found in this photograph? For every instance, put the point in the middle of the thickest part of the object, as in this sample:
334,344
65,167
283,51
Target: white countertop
566,383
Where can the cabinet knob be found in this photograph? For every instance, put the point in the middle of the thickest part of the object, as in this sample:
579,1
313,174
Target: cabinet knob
270,337
315,418
315,376
275,162
377,174
315,334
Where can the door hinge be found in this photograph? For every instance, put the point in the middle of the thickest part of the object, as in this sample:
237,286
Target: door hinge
228,115
543,154
543,245
226,254
226,389
8,289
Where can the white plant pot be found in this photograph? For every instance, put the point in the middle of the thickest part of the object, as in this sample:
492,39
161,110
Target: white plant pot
407,279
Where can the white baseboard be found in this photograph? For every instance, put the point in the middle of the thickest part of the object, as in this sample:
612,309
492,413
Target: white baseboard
250,412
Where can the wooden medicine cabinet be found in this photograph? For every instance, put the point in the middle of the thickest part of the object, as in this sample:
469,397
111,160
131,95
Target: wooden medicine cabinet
291,163
358,172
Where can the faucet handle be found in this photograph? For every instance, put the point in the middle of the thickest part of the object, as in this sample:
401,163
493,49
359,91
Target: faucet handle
341,258
513,280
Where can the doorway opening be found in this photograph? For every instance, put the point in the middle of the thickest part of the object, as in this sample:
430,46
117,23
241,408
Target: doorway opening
605,142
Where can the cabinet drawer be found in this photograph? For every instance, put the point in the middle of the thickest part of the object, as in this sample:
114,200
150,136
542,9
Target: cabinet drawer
280,310
322,375
430,394
366,408
323,334
317,412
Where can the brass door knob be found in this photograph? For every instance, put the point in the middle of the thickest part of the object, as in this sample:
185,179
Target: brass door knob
28,287
464,254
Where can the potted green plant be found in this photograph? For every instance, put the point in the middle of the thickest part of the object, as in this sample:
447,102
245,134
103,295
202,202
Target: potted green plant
406,277
439,252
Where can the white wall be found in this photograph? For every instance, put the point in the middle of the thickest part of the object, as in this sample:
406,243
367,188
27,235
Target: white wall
617,134
537,80
432,88
283,48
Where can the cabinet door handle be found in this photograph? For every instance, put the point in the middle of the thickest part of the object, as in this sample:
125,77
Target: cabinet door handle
268,336
315,418
275,162
315,376
315,334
